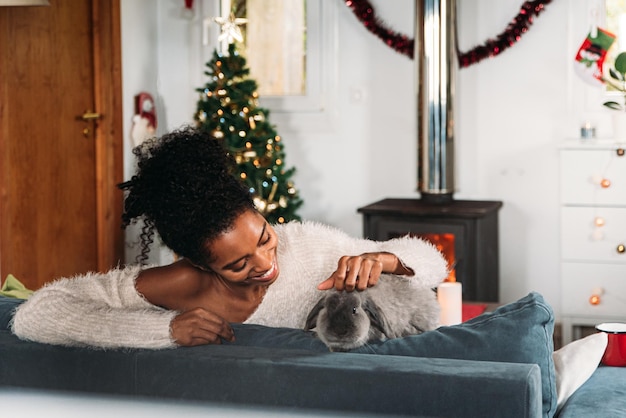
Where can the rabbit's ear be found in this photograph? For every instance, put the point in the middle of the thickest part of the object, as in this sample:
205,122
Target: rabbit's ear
311,320
377,318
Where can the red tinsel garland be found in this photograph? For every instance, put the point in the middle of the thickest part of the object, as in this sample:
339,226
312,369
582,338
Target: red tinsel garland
492,47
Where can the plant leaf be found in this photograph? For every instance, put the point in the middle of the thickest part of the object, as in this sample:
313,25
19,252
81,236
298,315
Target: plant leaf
620,62
613,105
617,76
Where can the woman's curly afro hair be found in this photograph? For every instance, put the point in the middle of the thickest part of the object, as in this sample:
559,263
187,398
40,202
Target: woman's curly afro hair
185,187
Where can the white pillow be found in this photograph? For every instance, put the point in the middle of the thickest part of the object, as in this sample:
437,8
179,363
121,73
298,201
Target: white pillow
575,363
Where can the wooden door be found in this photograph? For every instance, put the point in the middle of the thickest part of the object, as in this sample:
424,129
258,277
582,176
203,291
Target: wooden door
59,207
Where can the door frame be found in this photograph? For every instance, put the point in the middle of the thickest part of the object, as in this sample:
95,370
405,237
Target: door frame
107,70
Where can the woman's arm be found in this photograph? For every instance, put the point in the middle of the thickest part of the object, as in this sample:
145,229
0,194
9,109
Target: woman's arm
421,257
322,248
97,309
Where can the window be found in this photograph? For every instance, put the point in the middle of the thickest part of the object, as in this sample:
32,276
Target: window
291,49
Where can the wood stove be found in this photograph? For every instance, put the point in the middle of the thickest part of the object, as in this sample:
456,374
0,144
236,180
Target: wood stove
465,231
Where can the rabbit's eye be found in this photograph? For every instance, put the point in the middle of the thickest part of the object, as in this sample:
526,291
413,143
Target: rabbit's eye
354,310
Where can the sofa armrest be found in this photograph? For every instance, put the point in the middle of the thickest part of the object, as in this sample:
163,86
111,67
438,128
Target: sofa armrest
273,377
342,381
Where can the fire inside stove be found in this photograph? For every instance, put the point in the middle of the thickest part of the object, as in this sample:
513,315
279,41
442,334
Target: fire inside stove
445,244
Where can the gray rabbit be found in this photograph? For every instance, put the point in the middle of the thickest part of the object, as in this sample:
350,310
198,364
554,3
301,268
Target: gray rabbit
394,307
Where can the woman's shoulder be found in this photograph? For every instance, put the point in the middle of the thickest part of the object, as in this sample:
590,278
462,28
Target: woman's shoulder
169,285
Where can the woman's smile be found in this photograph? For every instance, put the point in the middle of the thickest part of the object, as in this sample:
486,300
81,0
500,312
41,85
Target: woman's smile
269,276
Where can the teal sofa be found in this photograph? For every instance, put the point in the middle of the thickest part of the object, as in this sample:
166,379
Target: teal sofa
495,365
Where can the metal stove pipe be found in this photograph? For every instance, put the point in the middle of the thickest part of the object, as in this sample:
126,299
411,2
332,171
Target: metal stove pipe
436,64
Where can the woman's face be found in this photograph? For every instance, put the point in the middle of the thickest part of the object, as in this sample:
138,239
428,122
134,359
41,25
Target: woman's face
246,254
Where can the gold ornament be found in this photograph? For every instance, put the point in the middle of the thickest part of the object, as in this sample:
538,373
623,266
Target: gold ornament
273,192
248,155
264,206
282,202
245,156
260,204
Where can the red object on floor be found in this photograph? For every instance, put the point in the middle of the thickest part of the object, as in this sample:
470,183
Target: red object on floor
472,310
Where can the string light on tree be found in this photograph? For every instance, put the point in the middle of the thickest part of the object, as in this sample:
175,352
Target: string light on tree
229,109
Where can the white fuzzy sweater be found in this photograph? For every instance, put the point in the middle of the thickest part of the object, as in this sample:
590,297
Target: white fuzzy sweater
105,310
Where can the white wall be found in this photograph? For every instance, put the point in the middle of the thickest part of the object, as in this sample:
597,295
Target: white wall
513,112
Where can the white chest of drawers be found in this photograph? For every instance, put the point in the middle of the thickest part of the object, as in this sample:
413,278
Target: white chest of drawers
593,234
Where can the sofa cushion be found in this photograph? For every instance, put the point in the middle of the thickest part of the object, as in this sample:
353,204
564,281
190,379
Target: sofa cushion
604,394
7,309
520,332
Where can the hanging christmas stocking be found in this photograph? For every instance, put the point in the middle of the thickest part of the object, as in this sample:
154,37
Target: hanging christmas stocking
591,54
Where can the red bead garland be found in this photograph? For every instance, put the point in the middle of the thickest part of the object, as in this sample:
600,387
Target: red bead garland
492,47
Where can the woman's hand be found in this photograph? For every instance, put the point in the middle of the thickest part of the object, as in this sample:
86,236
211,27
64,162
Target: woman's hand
199,326
362,271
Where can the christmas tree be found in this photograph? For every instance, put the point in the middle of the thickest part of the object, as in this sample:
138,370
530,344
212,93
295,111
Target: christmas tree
229,110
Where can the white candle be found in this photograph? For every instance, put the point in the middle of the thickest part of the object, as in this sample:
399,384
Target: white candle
449,295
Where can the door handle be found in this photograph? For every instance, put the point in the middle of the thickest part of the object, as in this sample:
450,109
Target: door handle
88,115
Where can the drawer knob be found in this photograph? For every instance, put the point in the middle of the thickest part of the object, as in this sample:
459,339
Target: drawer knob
621,249
595,298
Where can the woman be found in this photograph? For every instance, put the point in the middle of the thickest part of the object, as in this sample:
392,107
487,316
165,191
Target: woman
235,266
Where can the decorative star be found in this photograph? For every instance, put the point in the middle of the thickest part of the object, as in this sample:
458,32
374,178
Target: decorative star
230,28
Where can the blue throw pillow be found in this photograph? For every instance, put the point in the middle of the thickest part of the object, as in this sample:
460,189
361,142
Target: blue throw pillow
7,309
520,332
